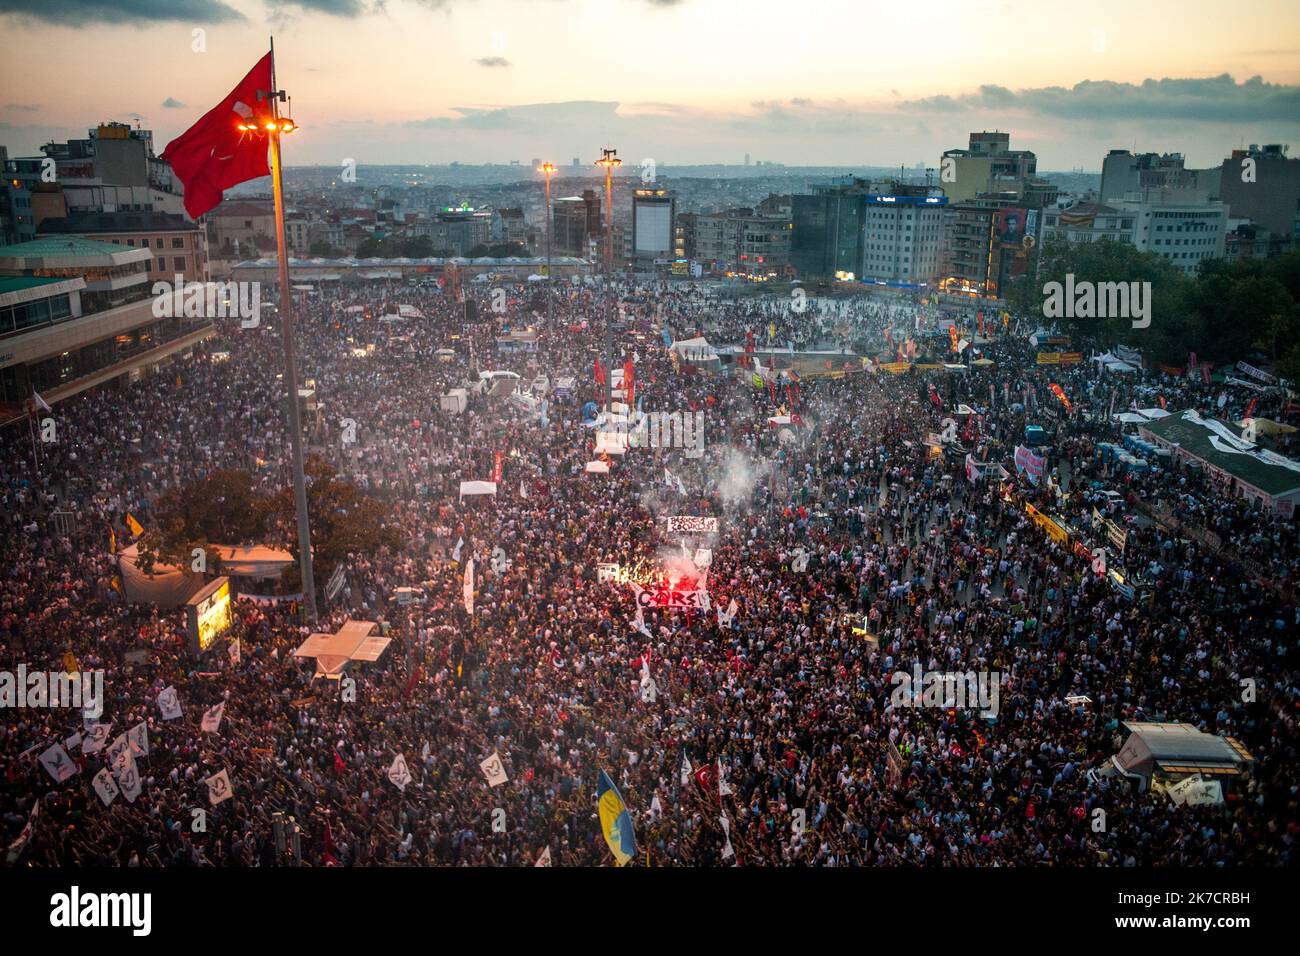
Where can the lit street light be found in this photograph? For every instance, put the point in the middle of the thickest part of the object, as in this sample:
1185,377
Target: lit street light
548,169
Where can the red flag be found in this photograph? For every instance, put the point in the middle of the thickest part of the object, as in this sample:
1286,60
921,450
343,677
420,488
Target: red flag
1250,409
339,765
707,780
213,155
600,373
629,382
328,857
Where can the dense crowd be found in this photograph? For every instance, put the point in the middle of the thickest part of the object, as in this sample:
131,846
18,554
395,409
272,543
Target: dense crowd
783,707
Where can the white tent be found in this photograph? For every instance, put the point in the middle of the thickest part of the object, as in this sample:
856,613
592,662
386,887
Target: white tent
478,488
597,468
536,278
354,641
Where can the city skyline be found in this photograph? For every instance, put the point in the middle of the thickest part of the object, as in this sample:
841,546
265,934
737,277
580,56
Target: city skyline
395,82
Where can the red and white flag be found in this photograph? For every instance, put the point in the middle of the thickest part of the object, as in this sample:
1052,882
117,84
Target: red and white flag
214,154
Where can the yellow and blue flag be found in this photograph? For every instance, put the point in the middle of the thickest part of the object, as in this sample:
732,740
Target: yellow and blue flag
615,821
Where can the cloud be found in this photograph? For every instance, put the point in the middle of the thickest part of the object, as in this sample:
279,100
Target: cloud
531,117
23,107
172,104
1217,99
334,8
492,61
82,13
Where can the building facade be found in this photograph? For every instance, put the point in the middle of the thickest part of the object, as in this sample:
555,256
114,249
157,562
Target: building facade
177,246
76,313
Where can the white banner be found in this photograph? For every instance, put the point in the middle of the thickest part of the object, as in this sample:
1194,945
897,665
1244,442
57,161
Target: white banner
139,738
212,718
219,788
58,763
96,740
692,524
106,787
169,704
494,770
469,588
398,772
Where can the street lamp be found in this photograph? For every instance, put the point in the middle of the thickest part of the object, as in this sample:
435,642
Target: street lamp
273,127
548,169
609,159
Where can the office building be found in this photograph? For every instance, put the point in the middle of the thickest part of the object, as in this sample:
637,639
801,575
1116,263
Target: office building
577,224
177,245
1262,184
76,313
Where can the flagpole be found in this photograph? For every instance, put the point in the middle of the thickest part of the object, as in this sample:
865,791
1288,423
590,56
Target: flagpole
290,360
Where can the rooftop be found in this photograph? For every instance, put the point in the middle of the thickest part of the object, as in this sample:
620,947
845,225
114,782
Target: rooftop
23,283
1218,443
112,222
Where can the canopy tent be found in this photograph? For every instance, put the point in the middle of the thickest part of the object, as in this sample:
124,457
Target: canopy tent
354,641
168,586
597,468
478,488
257,561
1152,414
536,278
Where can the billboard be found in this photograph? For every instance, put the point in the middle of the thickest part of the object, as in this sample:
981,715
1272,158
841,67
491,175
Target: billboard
654,228
1013,241
208,615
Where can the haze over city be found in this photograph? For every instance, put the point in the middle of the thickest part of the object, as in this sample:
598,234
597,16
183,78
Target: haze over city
688,82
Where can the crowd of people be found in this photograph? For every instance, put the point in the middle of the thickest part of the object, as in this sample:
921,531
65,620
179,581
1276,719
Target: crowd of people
849,548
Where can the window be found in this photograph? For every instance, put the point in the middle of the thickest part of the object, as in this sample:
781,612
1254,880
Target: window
162,265
179,263
178,243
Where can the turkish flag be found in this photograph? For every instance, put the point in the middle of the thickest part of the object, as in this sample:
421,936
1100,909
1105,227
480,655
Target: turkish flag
212,155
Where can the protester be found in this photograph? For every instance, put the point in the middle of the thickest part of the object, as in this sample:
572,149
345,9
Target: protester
786,706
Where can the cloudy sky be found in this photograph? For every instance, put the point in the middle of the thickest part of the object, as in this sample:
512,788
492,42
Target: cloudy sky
818,82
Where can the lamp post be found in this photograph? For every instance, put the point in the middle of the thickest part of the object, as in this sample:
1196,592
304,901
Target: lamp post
548,169
609,159
273,128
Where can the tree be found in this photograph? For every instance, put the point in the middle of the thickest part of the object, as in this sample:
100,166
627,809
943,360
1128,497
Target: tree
1109,261
221,508
344,520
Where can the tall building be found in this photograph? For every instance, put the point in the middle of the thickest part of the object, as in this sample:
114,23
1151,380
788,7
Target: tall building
509,225
653,212
745,240
904,232
17,223
1262,184
113,170
76,313
1184,226
1123,172
881,231
987,165
577,224
827,235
